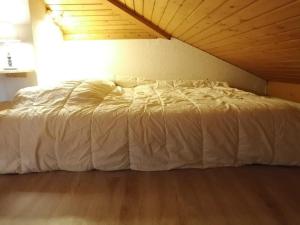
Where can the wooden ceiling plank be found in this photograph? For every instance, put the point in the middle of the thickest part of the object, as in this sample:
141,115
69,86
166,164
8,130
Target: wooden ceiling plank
278,32
49,2
104,31
107,12
259,57
197,15
261,67
254,59
278,74
90,12
273,30
183,12
97,23
284,79
274,67
170,12
158,11
139,20
226,10
270,41
281,54
107,36
254,10
264,55
256,66
251,59
288,45
139,7
265,62
87,18
290,77
148,9
78,7
103,27
274,17
130,4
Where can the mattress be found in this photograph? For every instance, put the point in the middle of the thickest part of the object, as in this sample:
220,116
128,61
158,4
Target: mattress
148,126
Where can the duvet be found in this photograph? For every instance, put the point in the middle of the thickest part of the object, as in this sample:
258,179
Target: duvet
155,125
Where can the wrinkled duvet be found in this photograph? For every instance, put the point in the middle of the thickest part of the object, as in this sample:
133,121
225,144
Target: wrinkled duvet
159,125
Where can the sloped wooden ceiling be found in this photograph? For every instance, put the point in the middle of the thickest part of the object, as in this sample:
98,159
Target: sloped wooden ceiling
261,36
101,19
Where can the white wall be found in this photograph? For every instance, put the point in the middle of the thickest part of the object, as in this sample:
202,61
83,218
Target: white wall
16,13
153,59
47,38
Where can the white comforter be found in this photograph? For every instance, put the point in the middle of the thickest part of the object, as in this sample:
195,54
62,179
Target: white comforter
84,125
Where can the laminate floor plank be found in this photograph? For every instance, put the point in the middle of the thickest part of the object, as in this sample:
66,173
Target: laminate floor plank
223,196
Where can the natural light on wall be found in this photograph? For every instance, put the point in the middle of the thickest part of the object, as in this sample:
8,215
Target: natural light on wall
60,60
12,11
16,49
47,41
7,31
89,59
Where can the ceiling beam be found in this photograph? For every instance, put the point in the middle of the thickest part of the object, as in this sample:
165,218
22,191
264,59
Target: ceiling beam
138,19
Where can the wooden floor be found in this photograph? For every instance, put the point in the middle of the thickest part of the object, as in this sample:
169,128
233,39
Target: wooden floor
228,196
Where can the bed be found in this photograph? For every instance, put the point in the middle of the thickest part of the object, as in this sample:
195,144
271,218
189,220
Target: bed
146,125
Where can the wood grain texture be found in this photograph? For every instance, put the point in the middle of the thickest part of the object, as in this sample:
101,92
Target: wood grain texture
284,90
108,35
138,19
68,12
233,196
259,36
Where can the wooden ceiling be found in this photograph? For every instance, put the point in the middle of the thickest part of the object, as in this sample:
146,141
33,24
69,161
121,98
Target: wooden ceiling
101,19
261,36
